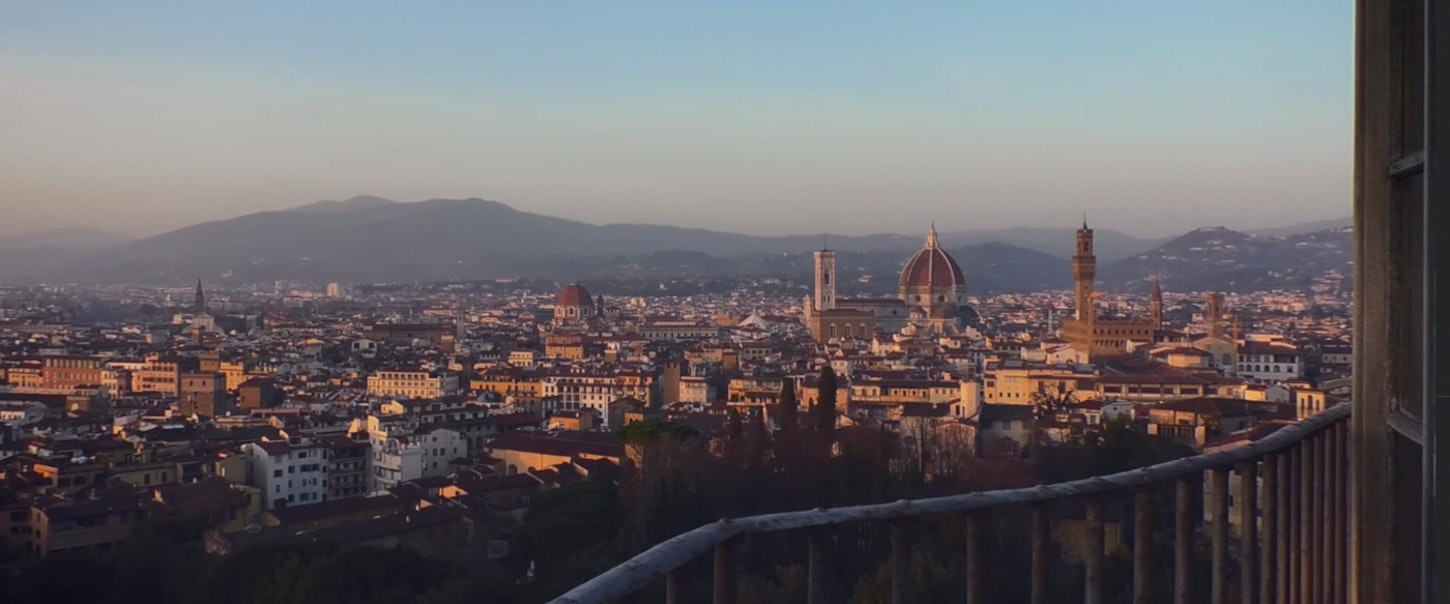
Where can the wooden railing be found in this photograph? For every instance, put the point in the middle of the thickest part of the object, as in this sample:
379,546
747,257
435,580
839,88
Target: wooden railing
1290,543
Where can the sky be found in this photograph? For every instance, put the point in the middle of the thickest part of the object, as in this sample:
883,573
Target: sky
755,116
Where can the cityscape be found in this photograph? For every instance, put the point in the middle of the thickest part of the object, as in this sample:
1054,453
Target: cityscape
528,433
449,302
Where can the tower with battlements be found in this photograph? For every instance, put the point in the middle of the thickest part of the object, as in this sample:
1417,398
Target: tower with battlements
1155,305
1097,335
1084,272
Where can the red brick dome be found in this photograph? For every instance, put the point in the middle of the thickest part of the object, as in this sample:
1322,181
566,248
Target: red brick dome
932,267
574,295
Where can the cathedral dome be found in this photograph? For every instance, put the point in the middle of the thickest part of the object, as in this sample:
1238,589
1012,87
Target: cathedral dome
932,267
574,296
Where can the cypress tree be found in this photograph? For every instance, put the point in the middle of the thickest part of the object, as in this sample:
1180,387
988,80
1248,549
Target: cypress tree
825,409
789,407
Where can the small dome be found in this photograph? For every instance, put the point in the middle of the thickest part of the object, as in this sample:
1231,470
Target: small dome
574,295
932,267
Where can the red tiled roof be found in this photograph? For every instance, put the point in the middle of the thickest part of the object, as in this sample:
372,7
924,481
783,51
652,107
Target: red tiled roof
559,447
574,295
932,267
1208,405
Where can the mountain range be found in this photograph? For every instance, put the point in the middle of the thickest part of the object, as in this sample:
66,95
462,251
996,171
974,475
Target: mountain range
371,239
64,239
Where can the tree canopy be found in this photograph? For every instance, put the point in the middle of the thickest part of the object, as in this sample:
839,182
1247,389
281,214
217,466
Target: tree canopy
652,431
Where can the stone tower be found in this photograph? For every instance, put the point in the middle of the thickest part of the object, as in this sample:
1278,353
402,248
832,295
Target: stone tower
1155,306
200,302
825,280
1084,271
1213,314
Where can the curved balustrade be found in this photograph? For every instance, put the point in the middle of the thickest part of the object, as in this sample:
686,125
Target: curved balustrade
1291,535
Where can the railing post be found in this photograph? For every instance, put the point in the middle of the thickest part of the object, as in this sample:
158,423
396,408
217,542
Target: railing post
816,566
1142,546
1219,513
1340,536
974,558
725,584
1304,504
1248,501
1183,541
1093,564
1327,577
900,562
672,587
1284,551
1317,524
1041,532
1268,556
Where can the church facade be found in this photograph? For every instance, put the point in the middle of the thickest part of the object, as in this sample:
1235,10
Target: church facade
931,296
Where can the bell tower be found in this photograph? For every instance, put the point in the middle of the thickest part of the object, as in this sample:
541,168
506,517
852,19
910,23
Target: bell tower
1155,305
1084,271
1213,314
825,279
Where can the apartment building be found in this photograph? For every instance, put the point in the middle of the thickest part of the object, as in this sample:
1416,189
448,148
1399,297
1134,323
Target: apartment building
403,455
96,526
1270,361
1015,381
289,472
68,372
582,390
347,467
413,383
162,375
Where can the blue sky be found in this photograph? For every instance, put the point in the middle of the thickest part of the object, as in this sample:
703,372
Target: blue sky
768,117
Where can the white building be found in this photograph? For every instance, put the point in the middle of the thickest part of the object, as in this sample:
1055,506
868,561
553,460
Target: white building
400,457
1118,410
289,472
1270,361
575,391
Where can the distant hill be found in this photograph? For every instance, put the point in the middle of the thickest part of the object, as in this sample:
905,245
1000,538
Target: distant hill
1110,245
70,238
1217,258
328,206
371,239
989,268
1304,228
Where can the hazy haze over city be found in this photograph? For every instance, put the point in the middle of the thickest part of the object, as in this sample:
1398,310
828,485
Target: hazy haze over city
757,117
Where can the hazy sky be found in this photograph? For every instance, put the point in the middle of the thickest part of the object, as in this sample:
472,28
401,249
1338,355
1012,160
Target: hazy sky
768,116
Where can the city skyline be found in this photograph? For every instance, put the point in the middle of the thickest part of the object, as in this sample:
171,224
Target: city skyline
750,118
